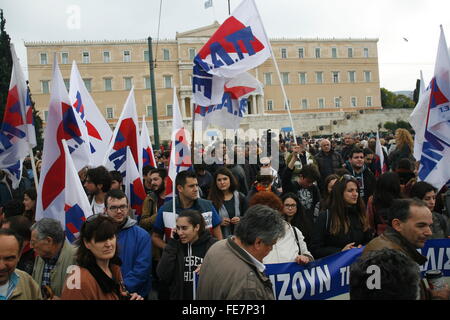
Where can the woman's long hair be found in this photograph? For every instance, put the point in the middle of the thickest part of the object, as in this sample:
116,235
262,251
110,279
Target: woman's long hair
340,220
31,193
98,228
299,219
387,188
403,137
215,194
195,218
325,201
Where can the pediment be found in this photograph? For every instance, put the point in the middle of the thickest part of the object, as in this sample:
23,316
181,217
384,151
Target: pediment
202,32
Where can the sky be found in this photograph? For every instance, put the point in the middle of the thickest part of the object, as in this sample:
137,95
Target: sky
408,30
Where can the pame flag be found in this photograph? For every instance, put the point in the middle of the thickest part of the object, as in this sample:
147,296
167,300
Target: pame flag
238,45
180,153
148,157
126,134
435,158
134,188
62,123
97,129
76,203
229,113
15,136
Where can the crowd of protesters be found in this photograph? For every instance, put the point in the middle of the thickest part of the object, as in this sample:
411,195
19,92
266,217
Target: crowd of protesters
331,193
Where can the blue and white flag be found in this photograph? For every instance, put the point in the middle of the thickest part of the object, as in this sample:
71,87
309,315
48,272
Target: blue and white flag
435,157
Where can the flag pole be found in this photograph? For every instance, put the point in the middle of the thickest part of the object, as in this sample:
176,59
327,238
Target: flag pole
279,75
33,166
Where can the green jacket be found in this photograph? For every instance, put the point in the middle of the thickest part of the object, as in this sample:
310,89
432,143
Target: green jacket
26,289
59,272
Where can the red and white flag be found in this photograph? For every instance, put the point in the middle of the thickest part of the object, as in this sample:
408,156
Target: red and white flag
134,187
126,134
62,123
98,131
148,157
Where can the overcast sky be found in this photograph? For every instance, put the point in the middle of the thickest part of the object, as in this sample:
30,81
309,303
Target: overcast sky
390,21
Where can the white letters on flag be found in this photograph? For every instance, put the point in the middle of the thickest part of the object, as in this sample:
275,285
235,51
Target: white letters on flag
435,158
230,112
239,45
125,135
98,131
148,157
76,205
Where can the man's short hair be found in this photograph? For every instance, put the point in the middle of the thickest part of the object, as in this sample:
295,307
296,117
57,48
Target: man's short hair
262,222
182,176
162,172
398,276
367,151
309,172
146,169
20,225
355,150
116,194
400,209
116,175
10,232
100,175
48,227
13,207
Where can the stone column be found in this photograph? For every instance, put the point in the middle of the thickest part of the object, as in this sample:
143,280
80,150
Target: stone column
183,107
254,105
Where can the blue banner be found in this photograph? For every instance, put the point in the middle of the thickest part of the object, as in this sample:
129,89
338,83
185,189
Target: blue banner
329,277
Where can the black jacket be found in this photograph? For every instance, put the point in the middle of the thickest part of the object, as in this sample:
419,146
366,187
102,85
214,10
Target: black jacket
324,243
171,267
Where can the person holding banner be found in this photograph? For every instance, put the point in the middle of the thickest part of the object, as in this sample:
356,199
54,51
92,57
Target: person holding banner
183,255
344,225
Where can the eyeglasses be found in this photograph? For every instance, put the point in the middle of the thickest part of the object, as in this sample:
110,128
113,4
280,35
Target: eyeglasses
290,205
346,177
115,208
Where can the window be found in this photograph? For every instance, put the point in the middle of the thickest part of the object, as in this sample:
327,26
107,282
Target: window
146,56
302,77
45,115
106,57
45,86
149,110
350,52
147,82
169,110
337,102
43,58
86,58
167,82
334,53
367,76
166,54
64,57
109,113
283,53
268,79
335,76
351,76
269,105
88,84
285,77
317,51
366,52
368,101
353,101
191,53
287,104
321,103
67,84
304,104
301,53
108,84
319,77
127,56
128,83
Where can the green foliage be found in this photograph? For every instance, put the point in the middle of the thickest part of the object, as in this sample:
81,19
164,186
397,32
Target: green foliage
392,126
392,100
416,92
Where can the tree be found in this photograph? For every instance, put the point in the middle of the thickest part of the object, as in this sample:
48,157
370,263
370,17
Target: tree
416,91
392,100
5,65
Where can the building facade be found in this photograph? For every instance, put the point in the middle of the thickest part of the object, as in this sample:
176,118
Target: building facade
319,75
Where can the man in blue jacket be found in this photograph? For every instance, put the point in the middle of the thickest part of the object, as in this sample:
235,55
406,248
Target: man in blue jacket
135,245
